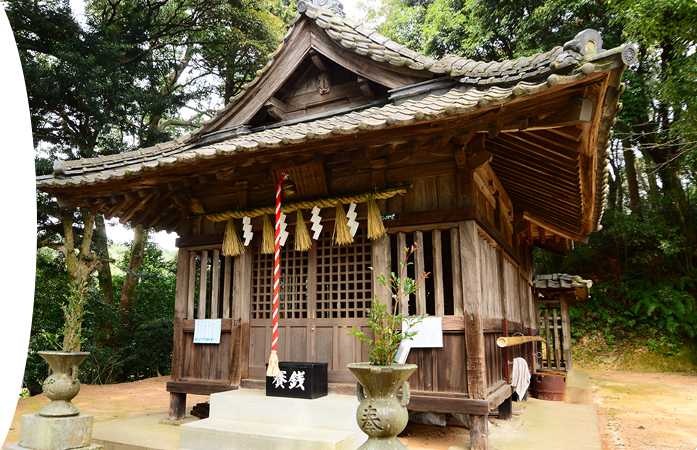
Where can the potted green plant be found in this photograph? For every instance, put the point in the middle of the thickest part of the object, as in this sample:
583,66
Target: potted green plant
62,385
381,415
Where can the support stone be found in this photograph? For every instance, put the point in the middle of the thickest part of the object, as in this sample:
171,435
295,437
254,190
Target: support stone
55,433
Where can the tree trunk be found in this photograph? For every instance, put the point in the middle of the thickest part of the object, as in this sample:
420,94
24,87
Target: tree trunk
104,269
135,265
632,183
81,265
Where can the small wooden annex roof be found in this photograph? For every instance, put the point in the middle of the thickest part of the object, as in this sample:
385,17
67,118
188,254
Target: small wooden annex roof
551,284
557,175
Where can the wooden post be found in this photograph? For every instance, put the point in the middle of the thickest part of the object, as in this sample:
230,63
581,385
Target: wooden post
547,338
381,265
215,270
401,244
438,294
191,288
566,333
419,266
180,305
227,280
557,352
177,402
470,256
458,301
177,406
241,299
202,284
506,409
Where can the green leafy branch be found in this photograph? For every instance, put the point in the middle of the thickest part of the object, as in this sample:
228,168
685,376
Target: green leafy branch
386,325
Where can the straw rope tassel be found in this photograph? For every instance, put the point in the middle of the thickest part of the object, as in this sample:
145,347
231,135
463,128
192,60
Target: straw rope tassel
273,370
342,232
267,236
302,237
232,245
375,226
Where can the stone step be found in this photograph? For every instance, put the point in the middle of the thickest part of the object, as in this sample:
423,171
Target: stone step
337,412
225,434
248,419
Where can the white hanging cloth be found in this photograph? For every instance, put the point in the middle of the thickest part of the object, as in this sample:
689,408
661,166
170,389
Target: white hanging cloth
520,378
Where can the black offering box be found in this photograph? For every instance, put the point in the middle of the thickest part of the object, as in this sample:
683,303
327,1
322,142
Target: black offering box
298,380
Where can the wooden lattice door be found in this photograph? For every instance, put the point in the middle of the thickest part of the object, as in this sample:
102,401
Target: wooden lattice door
320,292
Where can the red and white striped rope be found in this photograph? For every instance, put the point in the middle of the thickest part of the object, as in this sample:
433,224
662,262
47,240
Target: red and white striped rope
277,265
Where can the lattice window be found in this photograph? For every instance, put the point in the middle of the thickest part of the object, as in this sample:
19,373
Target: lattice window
210,284
344,278
292,301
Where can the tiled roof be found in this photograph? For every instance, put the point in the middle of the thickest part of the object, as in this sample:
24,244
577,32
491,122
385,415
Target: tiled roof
481,84
561,281
459,100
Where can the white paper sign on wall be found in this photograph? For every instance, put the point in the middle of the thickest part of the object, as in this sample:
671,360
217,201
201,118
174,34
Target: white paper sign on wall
207,331
429,333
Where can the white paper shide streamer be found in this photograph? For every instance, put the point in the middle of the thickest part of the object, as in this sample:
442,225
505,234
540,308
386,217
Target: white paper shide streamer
247,230
283,234
351,216
316,219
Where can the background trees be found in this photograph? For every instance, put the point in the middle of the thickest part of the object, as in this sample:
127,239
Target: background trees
125,75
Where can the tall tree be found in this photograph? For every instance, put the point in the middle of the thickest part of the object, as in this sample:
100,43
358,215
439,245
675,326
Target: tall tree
120,81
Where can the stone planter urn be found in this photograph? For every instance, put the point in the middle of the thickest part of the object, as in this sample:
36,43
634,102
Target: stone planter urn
381,415
62,385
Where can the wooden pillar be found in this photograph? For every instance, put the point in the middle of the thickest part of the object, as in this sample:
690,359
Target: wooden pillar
202,285
438,294
503,290
177,405
381,265
470,255
566,332
241,300
177,402
458,301
506,409
401,257
419,269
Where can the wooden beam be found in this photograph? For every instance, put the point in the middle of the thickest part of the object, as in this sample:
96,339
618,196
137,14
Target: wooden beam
470,257
202,285
419,269
455,258
381,265
438,294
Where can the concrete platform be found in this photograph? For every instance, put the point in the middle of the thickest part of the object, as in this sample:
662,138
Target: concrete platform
138,433
246,419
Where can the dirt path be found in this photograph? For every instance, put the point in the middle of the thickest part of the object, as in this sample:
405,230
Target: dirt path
642,410
107,402
635,410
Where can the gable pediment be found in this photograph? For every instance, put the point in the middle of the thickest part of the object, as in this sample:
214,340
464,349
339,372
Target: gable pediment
322,67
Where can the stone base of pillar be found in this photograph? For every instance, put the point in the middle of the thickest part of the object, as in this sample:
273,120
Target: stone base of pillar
55,433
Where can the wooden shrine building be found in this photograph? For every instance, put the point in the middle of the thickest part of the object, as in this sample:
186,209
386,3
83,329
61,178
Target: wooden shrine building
478,162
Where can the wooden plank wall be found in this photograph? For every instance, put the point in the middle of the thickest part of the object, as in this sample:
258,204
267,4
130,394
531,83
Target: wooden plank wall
204,284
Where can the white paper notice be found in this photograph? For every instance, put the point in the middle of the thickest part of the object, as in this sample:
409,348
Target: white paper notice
207,331
429,333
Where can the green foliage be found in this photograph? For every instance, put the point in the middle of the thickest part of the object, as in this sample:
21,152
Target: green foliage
140,348
387,326
74,313
489,30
